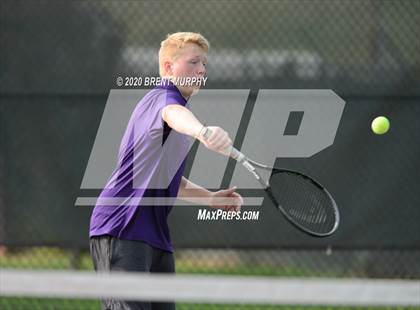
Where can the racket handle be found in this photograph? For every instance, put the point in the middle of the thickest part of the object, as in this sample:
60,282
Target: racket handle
233,152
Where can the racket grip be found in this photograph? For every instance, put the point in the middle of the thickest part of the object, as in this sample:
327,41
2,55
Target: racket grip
233,152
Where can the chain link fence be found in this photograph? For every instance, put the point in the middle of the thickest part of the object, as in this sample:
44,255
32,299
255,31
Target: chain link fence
59,59
357,48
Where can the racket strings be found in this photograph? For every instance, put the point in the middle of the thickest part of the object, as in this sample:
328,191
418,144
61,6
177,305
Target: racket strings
303,201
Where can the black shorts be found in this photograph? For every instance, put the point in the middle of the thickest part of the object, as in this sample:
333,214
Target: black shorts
112,254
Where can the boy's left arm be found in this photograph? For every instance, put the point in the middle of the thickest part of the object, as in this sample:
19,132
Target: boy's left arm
227,199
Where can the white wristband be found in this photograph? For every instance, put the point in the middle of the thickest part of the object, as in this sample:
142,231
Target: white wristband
202,131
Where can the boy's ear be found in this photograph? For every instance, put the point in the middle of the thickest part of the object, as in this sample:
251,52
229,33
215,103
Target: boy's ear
168,67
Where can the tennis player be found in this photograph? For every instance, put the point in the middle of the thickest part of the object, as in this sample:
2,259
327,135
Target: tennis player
126,235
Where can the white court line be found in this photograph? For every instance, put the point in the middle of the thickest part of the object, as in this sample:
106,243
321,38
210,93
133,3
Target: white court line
210,289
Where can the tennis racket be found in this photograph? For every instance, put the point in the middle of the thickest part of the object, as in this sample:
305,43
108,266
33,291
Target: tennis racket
303,201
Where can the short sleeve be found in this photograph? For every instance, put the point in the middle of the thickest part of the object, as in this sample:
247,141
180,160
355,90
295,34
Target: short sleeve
157,124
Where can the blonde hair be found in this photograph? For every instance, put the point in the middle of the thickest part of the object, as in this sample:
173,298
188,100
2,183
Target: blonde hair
171,47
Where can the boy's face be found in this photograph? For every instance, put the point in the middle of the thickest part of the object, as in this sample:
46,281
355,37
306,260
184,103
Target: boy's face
190,63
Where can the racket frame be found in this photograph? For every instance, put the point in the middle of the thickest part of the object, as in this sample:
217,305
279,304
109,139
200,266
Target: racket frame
251,165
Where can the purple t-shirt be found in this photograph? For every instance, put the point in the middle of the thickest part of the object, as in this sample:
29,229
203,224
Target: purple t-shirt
150,166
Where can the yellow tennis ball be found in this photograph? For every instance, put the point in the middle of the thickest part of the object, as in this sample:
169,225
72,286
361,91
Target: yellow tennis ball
380,125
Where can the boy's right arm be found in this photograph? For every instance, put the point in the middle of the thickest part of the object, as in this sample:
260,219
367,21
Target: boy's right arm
183,121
